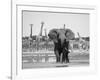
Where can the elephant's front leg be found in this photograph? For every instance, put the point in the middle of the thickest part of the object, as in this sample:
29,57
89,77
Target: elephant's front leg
67,58
63,56
57,56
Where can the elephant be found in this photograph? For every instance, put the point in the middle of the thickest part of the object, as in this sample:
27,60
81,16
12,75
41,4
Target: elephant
61,38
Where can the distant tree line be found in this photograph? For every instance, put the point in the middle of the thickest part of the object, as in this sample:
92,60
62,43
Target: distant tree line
44,38
84,38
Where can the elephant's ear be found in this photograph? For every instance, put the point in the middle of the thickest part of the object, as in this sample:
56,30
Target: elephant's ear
53,33
56,32
69,34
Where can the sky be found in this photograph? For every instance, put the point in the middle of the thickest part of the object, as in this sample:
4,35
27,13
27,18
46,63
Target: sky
74,21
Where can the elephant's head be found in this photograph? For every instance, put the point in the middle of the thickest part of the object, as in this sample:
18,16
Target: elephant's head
61,34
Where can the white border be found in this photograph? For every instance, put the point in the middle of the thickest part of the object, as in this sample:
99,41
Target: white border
18,73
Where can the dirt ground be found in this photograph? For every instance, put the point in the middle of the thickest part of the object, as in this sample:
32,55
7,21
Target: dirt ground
73,63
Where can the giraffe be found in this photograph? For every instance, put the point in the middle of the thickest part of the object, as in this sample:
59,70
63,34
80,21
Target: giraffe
82,43
80,38
39,37
31,25
30,38
64,26
42,24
